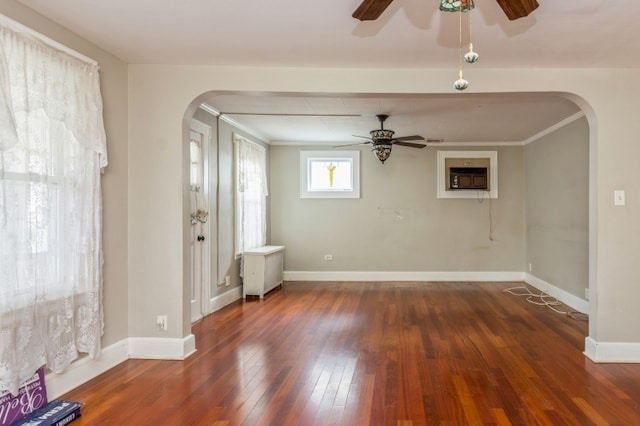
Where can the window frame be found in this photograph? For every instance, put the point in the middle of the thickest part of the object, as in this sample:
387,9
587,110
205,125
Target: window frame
307,156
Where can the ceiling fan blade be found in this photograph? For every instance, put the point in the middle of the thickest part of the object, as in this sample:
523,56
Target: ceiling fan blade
289,114
516,9
409,144
351,144
409,138
370,10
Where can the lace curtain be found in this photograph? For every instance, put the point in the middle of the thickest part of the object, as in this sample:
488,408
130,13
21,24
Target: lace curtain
52,147
251,184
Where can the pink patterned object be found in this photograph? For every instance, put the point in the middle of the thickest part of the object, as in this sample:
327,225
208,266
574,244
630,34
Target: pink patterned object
31,396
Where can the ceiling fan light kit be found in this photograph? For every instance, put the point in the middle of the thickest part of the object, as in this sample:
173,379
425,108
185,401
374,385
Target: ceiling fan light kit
382,151
456,5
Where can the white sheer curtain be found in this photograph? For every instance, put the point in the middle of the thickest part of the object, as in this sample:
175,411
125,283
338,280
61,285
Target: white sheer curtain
52,147
251,192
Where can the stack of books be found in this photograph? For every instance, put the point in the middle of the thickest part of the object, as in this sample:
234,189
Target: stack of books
55,413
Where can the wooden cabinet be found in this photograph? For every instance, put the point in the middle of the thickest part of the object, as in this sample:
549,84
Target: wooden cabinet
263,270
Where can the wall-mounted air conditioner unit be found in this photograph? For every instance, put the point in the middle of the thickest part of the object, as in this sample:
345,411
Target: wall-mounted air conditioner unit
467,174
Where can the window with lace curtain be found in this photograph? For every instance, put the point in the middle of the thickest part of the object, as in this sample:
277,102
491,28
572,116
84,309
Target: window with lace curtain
52,149
251,192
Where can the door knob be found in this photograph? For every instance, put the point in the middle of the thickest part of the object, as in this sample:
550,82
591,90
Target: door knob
200,237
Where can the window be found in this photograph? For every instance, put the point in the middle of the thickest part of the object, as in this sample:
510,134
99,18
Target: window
329,174
251,192
32,183
52,148
195,157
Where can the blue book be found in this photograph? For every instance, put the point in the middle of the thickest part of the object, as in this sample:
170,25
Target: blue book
55,413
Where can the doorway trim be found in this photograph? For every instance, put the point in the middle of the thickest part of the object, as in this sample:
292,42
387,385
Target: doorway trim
205,255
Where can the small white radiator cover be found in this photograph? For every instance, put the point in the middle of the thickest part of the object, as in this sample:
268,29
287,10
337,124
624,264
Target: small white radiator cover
263,270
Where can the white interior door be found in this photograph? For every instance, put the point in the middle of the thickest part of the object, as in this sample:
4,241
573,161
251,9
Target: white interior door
200,227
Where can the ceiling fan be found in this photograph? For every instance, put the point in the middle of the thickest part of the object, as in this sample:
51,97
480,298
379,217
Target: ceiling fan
382,140
370,10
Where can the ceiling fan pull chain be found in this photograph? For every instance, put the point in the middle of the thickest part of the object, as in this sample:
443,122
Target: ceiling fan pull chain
460,83
470,57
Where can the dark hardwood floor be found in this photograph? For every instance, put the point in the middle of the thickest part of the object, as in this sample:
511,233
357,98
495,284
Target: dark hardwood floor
374,354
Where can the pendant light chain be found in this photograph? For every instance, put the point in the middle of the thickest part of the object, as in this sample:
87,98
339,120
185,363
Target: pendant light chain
470,33
471,56
460,83
460,40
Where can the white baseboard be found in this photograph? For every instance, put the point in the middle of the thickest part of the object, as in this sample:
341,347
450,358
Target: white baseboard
224,299
85,369
565,297
612,351
162,348
402,276
568,299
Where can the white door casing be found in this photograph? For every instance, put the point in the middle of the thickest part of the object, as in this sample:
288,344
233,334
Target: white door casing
200,224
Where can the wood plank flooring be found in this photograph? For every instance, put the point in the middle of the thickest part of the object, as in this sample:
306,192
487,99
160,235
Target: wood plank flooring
396,353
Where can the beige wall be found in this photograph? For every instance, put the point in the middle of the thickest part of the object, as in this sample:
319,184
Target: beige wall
113,80
399,224
557,207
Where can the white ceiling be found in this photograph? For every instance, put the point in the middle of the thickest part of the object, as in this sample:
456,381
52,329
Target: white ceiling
409,34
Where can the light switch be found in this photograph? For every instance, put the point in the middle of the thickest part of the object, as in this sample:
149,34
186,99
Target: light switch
618,197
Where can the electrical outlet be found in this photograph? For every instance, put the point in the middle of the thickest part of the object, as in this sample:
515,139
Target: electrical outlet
227,281
328,257
586,293
161,323
530,267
